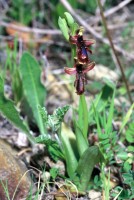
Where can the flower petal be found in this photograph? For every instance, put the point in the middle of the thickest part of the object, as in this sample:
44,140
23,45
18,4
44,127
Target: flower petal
89,42
89,67
70,71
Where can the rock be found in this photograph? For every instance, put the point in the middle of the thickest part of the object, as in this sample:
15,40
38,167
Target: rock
99,72
12,174
94,195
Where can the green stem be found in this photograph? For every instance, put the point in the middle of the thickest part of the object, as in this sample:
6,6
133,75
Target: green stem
83,115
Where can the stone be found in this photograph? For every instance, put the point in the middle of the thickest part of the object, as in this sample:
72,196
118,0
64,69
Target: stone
13,174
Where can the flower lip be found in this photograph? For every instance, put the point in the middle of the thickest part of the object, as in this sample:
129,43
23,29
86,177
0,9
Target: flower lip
82,46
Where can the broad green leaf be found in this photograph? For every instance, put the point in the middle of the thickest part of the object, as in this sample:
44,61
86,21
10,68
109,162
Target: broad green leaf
127,117
86,164
7,108
82,143
68,141
69,19
64,28
83,116
130,148
33,89
122,155
130,133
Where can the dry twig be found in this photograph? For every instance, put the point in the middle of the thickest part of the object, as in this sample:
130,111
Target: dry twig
30,30
114,51
113,10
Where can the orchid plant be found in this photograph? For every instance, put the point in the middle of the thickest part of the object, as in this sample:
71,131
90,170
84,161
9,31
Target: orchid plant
81,161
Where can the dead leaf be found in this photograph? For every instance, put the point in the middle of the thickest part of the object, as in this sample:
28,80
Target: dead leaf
26,37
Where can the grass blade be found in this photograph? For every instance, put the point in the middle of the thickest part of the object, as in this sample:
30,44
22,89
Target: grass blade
127,117
110,114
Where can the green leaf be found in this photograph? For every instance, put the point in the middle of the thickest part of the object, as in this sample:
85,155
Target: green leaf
82,143
64,28
127,117
130,148
69,19
109,83
74,28
7,108
130,133
43,113
122,155
53,147
86,164
54,172
103,136
69,149
33,89
55,120
98,104
97,121
104,142
41,139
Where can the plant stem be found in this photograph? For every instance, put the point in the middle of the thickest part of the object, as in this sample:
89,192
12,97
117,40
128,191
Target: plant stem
83,115
114,51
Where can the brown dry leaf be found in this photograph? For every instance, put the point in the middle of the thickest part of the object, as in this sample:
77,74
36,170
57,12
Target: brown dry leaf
26,37
66,192
12,171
